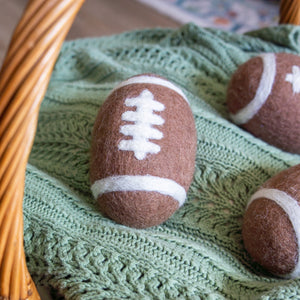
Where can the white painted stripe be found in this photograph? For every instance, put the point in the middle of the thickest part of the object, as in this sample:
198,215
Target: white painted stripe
262,93
292,209
146,183
152,80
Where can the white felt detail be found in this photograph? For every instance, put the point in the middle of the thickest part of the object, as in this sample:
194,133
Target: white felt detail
152,80
294,79
262,93
291,208
141,130
145,183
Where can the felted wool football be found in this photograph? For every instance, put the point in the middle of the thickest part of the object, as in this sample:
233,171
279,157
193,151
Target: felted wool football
271,227
143,151
263,97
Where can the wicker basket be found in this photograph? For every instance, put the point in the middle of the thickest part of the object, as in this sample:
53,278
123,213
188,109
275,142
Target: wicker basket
23,81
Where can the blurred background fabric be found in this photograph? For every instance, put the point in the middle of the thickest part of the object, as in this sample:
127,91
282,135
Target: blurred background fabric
234,15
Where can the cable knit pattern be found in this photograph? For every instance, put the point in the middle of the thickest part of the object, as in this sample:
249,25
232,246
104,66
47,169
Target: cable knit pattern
198,253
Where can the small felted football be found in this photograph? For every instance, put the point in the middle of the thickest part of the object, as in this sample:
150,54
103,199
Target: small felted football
271,227
263,97
143,151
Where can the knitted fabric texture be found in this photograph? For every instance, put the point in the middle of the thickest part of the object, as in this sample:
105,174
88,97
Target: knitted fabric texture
198,253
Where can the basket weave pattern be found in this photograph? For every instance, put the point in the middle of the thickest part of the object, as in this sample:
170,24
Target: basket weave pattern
289,12
24,77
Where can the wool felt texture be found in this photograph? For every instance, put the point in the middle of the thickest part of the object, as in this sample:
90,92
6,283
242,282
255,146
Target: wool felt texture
143,142
147,78
199,251
164,186
271,228
245,114
264,98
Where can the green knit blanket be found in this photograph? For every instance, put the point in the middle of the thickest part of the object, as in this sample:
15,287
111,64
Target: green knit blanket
198,253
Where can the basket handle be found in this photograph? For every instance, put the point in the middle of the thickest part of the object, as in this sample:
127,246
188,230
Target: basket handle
24,78
289,12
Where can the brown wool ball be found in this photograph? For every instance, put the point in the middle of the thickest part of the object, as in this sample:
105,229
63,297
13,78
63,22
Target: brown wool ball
143,151
263,97
271,227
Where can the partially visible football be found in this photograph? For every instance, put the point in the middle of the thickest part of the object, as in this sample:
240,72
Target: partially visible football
143,151
263,97
271,227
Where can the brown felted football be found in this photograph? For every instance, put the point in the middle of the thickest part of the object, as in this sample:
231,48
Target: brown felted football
263,97
271,227
143,151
